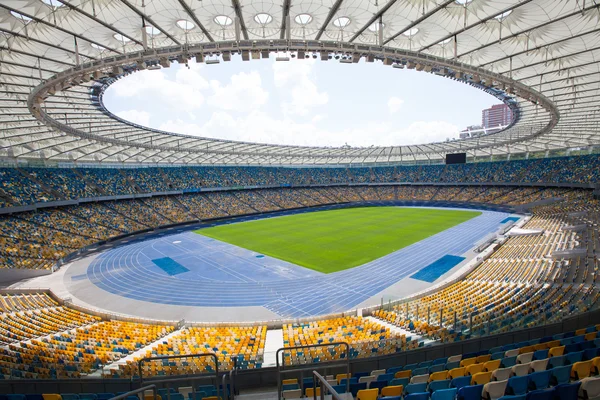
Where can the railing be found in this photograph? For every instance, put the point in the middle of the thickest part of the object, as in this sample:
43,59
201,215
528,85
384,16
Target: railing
324,385
183,378
281,368
136,391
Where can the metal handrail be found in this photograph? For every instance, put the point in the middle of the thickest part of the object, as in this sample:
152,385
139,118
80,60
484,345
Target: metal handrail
280,368
335,395
136,391
187,378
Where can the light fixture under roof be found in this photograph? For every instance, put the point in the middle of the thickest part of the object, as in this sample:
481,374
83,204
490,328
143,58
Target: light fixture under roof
97,46
445,41
411,32
185,24
121,38
53,3
223,20
303,19
263,18
152,31
20,16
341,22
374,27
462,2
502,17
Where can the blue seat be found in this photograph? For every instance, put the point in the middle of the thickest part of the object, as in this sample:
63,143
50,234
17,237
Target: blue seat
385,377
415,388
590,354
105,396
86,396
439,385
34,396
410,367
572,358
557,361
399,381
391,398
560,375
417,396
547,394
393,370
198,395
470,392
420,371
69,396
339,388
517,385
425,364
508,362
499,355
540,354
359,375
440,361
355,387
452,365
539,380
444,394
461,381
436,368
567,391
352,380
521,397
15,397
378,385
289,386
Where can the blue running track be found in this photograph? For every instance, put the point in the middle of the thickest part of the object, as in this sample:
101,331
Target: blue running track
194,270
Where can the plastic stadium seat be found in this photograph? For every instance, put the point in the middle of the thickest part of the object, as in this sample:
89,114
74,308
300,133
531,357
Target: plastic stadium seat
581,369
415,388
481,378
474,369
525,358
556,351
521,397
391,391
356,387
558,361
367,394
391,398
289,386
403,374
439,385
468,361
501,374
105,396
560,375
377,385
470,392
417,396
508,362
420,379
385,377
494,390
452,365
538,365
69,396
421,371
456,358
567,391
456,372
15,397
376,372
437,368
88,396
444,394
539,380
292,394
399,382
51,396
590,388
573,358
393,370
460,382
499,355
339,388
517,385
547,394
440,361
540,354
310,392
491,365
438,376
367,379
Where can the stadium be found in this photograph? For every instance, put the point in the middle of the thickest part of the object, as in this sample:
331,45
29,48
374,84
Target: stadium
143,263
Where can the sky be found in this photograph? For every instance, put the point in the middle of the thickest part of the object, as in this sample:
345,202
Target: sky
299,102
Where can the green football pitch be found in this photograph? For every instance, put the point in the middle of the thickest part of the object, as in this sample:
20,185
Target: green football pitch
330,241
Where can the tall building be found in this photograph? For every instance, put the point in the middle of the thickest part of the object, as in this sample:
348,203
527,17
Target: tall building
498,114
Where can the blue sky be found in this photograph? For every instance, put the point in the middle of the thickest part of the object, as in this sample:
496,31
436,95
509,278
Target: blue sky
300,102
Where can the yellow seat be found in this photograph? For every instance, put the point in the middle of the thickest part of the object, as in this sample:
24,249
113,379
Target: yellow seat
483,358
367,394
52,397
289,381
474,369
339,377
491,365
457,372
481,378
468,361
581,369
310,392
149,397
403,374
438,376
556,351
392,391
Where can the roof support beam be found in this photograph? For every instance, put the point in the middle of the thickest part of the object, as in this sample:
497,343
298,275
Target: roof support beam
373,19
99,21
193,16
30,39
285,14
489,17
419,20
147,18
330,15
553,59
238,11
35,56
528,30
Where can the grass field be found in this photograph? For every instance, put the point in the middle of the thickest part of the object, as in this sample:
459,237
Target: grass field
329,241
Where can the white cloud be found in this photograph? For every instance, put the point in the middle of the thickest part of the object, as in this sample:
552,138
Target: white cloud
423,132
135,116
243,93
297,80
395,104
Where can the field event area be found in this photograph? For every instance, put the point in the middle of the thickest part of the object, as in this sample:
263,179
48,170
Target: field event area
330,241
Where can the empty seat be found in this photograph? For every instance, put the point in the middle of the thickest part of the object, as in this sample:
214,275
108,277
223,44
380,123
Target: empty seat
491,365
581,369
392,391
377,385
403,374
438,376
508,362
590,388
439,385
538,365
417,396
444,394
461,381
377,372
494,390
511,353
517,385
525,358
481,378
367,379
567,391
470,392
456,372
547,394
539,380
415,388
367,394
292,394
420,378
474,369
501,374
520,369
556,351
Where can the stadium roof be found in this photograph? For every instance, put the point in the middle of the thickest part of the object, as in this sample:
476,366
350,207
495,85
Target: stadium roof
550,46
